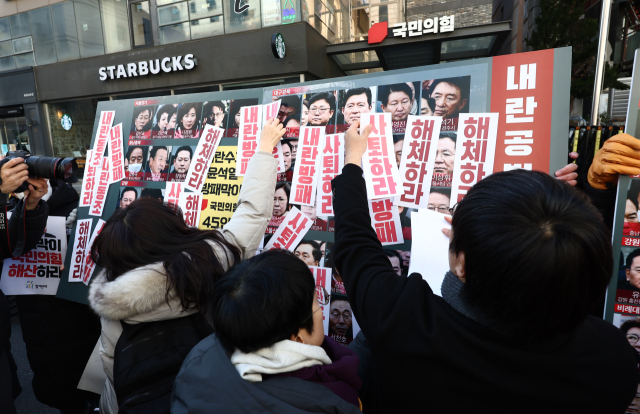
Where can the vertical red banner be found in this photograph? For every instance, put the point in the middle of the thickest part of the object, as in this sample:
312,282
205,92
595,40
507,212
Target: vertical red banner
522,93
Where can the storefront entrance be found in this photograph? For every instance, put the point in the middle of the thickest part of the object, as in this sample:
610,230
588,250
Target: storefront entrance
14,134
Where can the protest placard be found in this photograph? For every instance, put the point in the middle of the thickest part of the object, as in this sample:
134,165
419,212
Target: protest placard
305,173
331,164
191,206
207,146
88,181
249,135
101,188
81,240
385,220
292,229
322,277
116,156
172,194
380,169
90,265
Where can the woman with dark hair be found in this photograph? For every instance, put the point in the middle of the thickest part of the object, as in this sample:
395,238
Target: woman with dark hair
163,117
304,118
281,207
188,121
156,268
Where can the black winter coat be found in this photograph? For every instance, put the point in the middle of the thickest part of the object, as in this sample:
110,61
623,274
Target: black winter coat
35,222
59,334
427,357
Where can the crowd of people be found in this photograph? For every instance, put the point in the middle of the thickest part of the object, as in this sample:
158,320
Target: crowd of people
193,321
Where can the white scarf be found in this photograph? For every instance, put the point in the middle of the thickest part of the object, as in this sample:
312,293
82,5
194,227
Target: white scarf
283,356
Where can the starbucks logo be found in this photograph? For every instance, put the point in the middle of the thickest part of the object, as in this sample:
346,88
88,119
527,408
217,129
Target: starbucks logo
277,45
66,122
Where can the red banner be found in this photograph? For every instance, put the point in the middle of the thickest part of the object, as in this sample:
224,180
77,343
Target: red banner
522,93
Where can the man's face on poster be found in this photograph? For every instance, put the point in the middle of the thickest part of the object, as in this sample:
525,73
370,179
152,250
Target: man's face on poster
158,163
304,252
633,273
320,113
182,162
397,148
142,120
395,263
399,104
448,100
216,116
439,202
294,148
136,156
284,112
286,154
445,156
309,211
355,105
128,197
340,317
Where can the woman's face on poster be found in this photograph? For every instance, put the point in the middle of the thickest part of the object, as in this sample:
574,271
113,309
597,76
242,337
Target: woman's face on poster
630,212
424,108
279,202
142,120
309,211
172,121
237,118
189,119
163,121
304,118
286,154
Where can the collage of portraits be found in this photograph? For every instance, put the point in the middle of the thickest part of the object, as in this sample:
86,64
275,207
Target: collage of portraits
147,165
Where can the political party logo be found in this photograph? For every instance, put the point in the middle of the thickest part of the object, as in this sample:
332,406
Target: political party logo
378,32
66,122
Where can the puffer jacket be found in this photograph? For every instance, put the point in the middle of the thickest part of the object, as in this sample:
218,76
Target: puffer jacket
140,294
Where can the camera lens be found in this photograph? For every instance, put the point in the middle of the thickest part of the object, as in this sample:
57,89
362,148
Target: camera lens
51,167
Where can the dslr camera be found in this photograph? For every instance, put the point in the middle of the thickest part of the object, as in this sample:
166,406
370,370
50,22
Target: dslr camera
44,167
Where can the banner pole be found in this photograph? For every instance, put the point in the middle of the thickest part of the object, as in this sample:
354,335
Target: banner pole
602,43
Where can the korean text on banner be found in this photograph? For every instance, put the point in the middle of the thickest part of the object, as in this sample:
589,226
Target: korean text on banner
270,111
418,159
37,272
102,186
380,169
221,190
102,138
322,276
83,228
291,231
476,146
429,247
331,164
249,135
385,220
522,92
207,146
172,194
191,206
305,173
88,181
116,155
90,265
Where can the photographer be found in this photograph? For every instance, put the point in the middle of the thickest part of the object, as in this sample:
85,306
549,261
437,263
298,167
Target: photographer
19,234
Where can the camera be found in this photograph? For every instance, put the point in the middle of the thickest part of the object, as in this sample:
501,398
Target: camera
44,167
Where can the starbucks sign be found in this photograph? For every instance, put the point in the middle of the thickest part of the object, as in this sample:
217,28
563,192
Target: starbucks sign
66,122
277,46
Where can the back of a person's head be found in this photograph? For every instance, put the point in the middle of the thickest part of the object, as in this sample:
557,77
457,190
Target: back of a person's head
263,300
537,255
147,232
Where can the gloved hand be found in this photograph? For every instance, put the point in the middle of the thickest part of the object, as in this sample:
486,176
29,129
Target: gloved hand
620,154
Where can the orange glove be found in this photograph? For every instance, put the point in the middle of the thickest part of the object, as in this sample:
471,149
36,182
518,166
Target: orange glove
620,154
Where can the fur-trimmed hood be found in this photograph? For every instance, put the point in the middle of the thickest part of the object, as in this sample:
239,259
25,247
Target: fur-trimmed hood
139,295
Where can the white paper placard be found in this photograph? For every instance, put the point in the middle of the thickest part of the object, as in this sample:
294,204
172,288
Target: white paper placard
305,172
429,247
292,229
331,165
206,149
322,277
101,189
81,240
385,220
248,136
116,154
191,205
379,163
89,265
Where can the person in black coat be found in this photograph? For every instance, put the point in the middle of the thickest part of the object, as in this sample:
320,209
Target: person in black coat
529,256
59,334
27,222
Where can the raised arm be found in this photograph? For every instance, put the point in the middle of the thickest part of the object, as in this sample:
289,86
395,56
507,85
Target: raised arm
255,202
378,296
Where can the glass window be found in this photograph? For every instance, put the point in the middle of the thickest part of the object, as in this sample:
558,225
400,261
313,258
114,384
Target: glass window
163,2
211,26
249,19
25,60
20,25
64,31
271,15
78,138
5,29
7,63
204,8
141,24
22,45
6,49
176,33
42,36
114,24
89,28
172,14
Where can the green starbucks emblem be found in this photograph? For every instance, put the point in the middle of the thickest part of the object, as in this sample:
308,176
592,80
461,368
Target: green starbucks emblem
66,122
277,46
